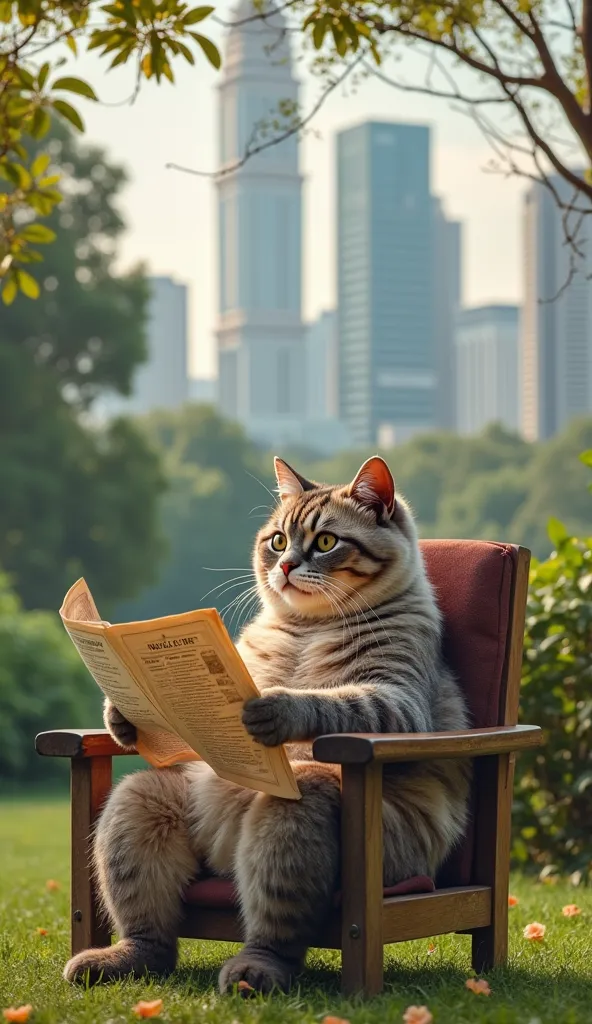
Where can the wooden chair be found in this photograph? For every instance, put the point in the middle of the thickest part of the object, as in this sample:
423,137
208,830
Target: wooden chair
481,589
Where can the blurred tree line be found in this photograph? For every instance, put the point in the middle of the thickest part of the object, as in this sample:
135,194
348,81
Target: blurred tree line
75,497
495,486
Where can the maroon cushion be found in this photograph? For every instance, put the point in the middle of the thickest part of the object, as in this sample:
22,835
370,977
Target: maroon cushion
473,585
220,893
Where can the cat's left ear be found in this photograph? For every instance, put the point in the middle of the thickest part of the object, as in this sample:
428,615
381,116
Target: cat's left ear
374,486
290,483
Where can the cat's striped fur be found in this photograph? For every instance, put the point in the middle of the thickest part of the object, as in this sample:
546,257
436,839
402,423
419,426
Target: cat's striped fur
348,640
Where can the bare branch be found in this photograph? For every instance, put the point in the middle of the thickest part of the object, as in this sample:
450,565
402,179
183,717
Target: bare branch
557,87
430,90
586,36
532,81
572,16
252,150
262,15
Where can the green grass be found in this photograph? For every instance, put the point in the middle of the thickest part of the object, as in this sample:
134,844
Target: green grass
548,982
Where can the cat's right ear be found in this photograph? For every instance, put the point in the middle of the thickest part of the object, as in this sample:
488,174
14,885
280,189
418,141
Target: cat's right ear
290,483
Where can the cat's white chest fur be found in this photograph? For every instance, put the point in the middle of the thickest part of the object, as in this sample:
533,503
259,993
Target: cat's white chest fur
298,659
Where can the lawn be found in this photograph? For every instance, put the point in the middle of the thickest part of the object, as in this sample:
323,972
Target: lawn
547,982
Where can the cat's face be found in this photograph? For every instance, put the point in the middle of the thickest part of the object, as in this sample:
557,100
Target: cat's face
326,551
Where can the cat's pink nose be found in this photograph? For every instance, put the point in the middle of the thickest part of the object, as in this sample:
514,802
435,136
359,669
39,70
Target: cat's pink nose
288,566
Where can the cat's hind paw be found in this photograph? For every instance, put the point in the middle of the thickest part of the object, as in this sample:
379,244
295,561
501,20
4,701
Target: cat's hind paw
261,969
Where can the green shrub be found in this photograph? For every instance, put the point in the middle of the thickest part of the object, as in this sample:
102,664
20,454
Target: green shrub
553,798
43,685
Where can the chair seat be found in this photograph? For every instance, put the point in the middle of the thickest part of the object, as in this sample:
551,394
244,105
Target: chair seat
220,893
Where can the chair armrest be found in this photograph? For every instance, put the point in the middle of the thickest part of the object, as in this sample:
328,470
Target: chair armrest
78,743
361,748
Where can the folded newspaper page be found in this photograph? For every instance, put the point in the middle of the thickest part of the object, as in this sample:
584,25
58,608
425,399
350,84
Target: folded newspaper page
180,680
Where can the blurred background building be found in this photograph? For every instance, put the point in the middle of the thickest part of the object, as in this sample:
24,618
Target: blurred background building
162,380
557,320
486,359
387,379
260,333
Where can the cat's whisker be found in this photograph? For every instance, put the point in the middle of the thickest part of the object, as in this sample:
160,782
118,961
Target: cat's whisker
239,601
240,609
354,599
357,612
273,496
228,585
235,568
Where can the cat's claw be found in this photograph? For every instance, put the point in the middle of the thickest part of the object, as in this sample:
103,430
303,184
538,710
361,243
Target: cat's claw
271,719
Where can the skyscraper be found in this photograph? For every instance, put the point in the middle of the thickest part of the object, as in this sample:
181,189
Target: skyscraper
387,379
487,368
161,381
556,331
260,332
321,367
447,281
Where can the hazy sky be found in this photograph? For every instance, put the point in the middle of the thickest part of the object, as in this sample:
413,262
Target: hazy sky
172,216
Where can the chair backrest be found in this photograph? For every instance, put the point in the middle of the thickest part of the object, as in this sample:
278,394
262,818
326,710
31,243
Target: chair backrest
481,589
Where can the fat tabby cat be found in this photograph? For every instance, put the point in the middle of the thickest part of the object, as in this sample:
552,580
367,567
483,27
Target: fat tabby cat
348,639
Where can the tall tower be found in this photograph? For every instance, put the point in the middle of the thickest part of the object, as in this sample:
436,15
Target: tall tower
260,332
447,282
387,360
556,330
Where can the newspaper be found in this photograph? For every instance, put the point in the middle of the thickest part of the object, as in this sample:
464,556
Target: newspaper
180,680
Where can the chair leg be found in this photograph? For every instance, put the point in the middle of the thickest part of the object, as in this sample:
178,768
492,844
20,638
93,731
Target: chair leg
492,856
361,879
90,786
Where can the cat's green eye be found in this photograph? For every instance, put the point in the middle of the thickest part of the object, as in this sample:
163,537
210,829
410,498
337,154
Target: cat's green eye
279,542
325,541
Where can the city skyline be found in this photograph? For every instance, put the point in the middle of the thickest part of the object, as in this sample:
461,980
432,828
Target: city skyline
172,217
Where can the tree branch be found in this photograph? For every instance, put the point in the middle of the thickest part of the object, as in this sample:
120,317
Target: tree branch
251,151
579,121
586,36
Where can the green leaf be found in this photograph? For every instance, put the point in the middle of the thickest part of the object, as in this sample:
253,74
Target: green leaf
351,30
40,124
586,458
69,113
71,44
340,39
197,14
38,233
26,78
40,203
51,179
28,285
318,33
40,164
42,76
209,48
556,532
17,174
76,85
186,52
9,291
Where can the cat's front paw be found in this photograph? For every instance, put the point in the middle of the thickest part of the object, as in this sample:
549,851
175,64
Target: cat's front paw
122,731
273,718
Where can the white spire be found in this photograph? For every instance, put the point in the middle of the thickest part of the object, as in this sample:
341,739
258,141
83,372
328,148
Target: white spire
257,44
